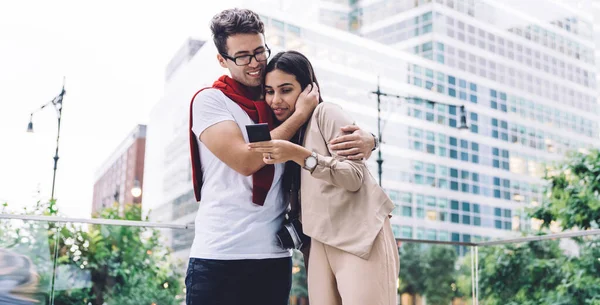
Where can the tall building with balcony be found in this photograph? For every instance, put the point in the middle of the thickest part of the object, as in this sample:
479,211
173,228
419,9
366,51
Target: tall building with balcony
527,84
120,178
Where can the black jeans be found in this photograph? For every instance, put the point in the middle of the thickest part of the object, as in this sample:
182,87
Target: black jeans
238,282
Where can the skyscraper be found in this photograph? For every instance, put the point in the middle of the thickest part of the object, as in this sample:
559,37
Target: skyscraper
526,72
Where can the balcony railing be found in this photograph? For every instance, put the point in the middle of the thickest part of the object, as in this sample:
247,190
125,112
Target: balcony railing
56,260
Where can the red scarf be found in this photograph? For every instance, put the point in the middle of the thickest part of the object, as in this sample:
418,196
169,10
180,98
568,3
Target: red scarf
259,112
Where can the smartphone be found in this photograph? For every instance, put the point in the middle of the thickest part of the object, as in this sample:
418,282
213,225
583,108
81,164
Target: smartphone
258,132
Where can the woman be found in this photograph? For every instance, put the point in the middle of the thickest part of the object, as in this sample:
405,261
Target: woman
353,253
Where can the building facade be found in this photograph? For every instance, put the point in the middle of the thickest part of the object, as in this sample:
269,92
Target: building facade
528,87
121,177
527,76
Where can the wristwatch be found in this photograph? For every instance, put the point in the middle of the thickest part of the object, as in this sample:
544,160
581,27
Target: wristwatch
310,163
376,142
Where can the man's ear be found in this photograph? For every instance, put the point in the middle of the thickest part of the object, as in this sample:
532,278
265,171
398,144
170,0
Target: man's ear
222,60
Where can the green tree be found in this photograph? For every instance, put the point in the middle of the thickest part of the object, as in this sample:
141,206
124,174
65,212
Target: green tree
299,290
126,264
519,273
412,277
428,271
540,272
440,275
574,193
464,282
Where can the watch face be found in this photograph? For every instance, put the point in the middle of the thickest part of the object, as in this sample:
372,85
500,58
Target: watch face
310,162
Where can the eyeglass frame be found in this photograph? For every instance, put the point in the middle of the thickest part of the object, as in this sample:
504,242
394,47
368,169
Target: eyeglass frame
234,59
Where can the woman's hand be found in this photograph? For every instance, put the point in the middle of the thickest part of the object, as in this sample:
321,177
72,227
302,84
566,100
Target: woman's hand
280,151
308,100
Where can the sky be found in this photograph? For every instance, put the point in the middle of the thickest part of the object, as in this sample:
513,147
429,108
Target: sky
113,55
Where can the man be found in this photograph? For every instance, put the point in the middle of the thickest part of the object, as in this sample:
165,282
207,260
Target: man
235,257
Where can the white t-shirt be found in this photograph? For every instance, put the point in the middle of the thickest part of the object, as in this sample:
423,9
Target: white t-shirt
228,225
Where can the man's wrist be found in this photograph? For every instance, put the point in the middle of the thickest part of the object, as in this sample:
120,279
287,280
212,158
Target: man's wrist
375,142
302,114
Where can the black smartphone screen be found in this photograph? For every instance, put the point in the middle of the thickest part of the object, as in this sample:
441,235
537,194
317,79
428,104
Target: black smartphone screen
258,132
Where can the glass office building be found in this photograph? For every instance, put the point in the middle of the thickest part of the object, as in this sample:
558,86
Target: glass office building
528,84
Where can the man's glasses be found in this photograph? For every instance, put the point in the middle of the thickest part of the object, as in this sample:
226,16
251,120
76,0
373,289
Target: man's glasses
245,60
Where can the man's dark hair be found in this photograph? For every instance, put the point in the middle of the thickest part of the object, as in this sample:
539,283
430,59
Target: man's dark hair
234,21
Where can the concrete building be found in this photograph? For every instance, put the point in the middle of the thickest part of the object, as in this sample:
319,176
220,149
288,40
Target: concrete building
120,178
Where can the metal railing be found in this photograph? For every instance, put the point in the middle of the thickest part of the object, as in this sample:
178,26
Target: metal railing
190,226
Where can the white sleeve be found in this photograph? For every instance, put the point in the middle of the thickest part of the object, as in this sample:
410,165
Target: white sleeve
209,109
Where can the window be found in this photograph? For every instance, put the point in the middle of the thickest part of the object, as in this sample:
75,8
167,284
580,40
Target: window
430,148
420,200
443,216
396,230
431,215
443,236
442,152
442,203
454,218
419,179
453,173
406,232
464,156
407,211
418,145
431,234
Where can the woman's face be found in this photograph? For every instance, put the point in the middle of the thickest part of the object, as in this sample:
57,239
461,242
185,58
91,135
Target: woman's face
281,92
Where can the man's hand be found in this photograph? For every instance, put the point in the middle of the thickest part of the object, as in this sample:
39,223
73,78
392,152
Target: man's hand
356,144
307,101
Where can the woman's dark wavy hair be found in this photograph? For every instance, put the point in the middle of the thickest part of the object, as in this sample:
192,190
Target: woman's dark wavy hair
294,63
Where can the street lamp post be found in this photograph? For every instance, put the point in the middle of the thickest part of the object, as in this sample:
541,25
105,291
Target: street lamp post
136,191
57,102
463,122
